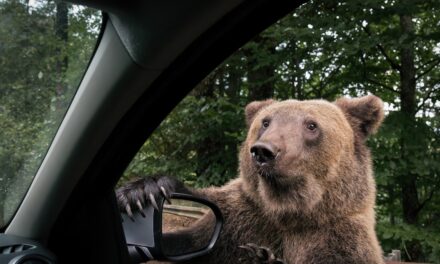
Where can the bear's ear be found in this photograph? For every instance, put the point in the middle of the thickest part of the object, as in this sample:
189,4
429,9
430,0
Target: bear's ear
365,114
253,108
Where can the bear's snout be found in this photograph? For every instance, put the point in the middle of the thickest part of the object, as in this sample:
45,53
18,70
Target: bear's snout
263,153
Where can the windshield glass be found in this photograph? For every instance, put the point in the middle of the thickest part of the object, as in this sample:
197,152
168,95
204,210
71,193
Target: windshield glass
45,47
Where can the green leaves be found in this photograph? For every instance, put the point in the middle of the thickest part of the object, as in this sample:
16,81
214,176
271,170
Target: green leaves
198,142
400,235
34,92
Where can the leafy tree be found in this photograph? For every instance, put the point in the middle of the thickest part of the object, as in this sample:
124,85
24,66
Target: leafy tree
36,84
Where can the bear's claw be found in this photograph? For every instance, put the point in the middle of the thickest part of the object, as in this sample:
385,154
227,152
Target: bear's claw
153,201
259,255
135,195
165,194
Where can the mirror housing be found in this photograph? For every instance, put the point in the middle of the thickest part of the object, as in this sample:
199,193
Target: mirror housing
146,239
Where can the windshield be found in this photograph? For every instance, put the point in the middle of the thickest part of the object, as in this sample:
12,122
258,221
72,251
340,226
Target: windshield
45,47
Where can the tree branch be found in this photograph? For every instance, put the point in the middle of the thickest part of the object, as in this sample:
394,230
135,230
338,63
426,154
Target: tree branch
430,68
364,64
331,75
394,65
428,95
389,88
421,205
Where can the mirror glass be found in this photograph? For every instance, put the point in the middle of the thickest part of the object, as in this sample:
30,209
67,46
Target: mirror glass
187,226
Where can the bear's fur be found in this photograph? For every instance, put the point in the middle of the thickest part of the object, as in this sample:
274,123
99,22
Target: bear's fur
305,188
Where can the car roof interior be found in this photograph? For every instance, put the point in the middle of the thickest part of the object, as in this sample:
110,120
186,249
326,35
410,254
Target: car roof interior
150,55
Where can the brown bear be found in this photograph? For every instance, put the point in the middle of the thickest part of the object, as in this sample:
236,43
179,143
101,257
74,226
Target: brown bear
305,189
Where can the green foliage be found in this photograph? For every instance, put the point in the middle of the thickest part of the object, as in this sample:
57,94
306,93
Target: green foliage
399,235
35,89
198,142
392,163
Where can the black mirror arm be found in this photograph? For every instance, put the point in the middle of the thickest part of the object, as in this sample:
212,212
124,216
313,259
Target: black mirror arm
140,233
143,232
191,234
139,254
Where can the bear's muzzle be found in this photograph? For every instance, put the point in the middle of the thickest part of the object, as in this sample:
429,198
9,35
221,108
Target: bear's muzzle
263,153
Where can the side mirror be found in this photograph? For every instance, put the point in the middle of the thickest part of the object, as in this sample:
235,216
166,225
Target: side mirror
187,228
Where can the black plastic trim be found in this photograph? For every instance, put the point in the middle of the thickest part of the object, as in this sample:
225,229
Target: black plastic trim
218,227
33,251
143,232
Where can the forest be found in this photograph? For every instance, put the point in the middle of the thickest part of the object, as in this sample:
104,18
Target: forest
45,47
324,49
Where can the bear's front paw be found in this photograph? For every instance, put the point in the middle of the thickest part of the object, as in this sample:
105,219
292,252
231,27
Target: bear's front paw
146,191
259,255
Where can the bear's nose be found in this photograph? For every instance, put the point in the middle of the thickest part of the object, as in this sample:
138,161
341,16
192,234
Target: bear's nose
263,152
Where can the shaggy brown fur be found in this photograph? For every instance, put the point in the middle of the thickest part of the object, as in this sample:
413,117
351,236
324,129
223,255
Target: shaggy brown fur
308,193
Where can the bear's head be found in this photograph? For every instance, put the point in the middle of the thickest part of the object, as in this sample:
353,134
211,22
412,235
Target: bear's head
303,156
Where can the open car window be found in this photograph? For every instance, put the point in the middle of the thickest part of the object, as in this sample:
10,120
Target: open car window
326,50
45,48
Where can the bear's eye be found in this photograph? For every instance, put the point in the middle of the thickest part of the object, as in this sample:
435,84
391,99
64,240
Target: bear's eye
266,123
312,126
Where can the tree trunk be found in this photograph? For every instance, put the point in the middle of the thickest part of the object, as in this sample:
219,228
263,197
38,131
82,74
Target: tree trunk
234,84
207,146
61,32
410,198
261,79
296,73
410,201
